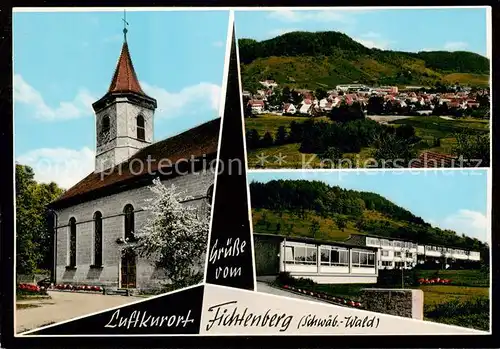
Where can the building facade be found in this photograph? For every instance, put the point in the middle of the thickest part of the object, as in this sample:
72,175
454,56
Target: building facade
404,254
321,261
96,220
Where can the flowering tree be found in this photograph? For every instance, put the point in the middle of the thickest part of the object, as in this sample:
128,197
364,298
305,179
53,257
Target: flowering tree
175,237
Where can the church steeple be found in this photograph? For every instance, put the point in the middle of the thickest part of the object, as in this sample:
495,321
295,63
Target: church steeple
125,78
124,116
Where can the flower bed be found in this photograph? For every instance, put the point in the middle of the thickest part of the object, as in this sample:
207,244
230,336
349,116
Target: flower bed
30,290
82,288
434,281
324,296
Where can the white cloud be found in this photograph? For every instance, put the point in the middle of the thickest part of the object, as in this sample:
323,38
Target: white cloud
455,45
80,106
218,43
374,40
315,16
189,100
470,223
64,166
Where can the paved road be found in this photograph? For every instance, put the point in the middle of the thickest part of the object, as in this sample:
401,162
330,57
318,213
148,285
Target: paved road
263,287
65,306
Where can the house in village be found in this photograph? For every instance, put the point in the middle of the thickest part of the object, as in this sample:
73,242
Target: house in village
257,105
96,220
289,108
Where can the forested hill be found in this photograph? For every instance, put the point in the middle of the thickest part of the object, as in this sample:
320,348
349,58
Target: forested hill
330,58
362,212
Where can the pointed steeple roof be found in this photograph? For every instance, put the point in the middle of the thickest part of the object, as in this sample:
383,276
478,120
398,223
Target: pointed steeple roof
125,78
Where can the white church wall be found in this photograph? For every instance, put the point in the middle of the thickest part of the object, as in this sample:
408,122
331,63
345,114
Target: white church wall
111,207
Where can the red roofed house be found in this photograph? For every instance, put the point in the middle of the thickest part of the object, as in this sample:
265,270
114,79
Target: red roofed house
96,219
257,105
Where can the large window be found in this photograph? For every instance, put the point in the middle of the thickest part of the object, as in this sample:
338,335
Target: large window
372,241
334,256
301,254
72,242
387,263
397,254
384,253
141,132
129,222
98,238
363,259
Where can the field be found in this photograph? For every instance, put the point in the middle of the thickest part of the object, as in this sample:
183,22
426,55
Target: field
428,128
459,305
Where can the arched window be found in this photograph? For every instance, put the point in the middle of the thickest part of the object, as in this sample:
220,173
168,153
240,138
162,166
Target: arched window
141,132
105,127
98,238
210,194
129,221
72,242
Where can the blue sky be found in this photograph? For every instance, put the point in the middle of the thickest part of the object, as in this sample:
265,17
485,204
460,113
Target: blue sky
396,29
63,62
453,199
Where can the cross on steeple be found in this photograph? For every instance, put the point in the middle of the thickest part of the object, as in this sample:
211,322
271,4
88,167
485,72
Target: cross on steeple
125,24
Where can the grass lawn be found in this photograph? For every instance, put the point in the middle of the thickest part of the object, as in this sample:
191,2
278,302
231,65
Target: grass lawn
438,294
429,128
269,122
471,278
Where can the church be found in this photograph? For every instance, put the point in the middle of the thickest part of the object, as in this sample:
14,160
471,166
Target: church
93,220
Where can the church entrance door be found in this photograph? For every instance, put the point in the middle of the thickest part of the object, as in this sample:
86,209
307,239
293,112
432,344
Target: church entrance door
128,269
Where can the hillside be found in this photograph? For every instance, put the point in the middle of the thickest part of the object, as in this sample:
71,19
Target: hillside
315,209
325,59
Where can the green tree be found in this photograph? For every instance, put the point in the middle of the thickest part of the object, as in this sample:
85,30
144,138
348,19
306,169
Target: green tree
34,239
392,151
341,222
267,140
314,228
320,93
473,148
281,135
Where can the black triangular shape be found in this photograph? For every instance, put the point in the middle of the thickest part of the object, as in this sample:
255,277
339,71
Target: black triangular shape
175,313
231,232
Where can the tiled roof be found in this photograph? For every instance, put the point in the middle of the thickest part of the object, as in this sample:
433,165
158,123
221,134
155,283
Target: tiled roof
194,143
125,78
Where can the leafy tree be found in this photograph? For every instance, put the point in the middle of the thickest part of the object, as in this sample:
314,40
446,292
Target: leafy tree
34,235
281,135
296,130
473,148
314,228
252,139
267,140
331,156
375,105
392,151
175,236
320,93
341,222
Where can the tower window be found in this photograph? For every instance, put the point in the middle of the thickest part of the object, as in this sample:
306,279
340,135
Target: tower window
129,222
72,242
98,238
141,132
105,128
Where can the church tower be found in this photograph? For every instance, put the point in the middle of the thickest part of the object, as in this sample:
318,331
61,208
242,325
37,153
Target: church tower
124,116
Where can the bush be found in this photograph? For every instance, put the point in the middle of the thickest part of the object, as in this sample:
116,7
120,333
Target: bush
284,278
393,278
